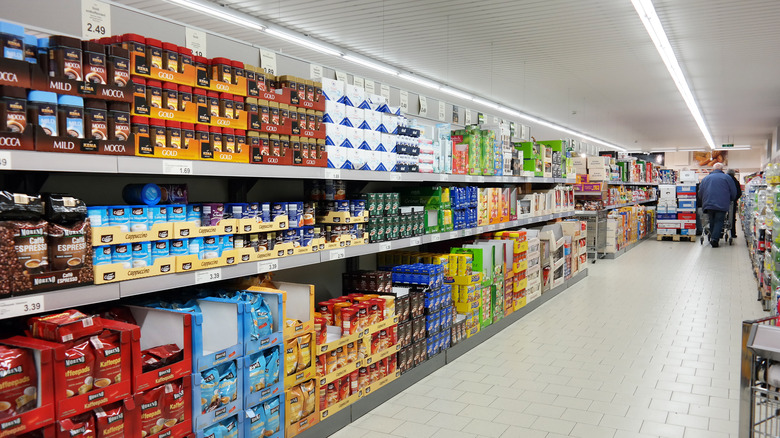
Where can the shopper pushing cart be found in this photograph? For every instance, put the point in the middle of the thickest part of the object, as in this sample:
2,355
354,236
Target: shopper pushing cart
718,191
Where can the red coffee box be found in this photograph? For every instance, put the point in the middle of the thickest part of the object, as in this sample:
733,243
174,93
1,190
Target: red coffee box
13,422
73,360
175,410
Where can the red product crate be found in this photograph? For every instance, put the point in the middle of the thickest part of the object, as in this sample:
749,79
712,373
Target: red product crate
686,216
69,406
43,415
179,430
160,327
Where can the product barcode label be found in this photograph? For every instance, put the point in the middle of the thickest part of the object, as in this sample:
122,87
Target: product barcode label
435,237
385,246
414,241
336,254
454,234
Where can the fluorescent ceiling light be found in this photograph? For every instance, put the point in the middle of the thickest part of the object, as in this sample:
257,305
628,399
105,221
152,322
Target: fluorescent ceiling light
304,42
654,28
487,103
372,65
735,148
219,12
457,93
421,81
691,150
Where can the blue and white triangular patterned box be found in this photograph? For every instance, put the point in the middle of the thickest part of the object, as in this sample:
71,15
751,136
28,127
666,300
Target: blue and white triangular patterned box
335,134
374,160
373,120
355,158
395,110
387,141
373,139
364,124
355,116
334,112
336,156
388,160
332,89
390,122
355,137
354,95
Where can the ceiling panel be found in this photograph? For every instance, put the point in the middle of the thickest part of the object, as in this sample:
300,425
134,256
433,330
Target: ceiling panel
586,64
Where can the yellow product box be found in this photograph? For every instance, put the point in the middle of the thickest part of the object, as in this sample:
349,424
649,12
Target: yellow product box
464,308
292,346
186,230
117,272
519,303
339,406
114,235
187,263
342,217
520,266
464,279
378,384
252,225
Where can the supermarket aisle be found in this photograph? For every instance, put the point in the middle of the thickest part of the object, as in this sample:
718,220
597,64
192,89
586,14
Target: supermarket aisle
646,346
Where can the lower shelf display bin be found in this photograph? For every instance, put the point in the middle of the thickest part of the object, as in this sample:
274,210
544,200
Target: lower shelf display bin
211,405
252,397
258,425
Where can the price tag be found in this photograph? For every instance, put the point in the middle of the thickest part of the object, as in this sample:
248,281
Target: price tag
195,40
435,237
385,246
177,167
332,173
359,82
384,91
268,61
208,275
469,178
404,101
444,177
315,72
5,160
495,120
341,76
423,106
370,86
480,230
336,254
267,266
395,176
467,117
95,19
442,116
26,305
480,179
414,241
454,234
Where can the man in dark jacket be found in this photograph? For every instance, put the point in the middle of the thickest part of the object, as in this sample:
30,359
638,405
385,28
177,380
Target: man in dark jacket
717,192
732,173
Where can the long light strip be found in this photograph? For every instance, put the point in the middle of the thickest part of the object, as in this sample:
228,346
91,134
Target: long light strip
654,28
303,42
219,13
382,68
371,64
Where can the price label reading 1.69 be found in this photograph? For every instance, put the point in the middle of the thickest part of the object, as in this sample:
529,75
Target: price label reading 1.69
5,160
177,167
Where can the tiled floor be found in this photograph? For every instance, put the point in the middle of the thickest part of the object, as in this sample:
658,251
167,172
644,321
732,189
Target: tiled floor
648,345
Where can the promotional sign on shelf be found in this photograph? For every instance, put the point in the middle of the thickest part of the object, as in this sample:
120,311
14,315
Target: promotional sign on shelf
384,91
358,81
404,101
370,86
423,106
195,40
442,109
268,61
341,76
95,19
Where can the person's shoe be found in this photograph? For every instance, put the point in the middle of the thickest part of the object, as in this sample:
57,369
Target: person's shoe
714,243
733,236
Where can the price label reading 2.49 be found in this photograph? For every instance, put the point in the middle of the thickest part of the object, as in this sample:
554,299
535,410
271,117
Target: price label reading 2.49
95,19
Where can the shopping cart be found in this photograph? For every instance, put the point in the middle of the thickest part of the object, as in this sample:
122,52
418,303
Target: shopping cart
705,219
759,408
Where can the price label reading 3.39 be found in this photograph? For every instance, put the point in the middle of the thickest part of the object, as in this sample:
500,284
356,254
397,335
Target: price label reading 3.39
27,305
267,266
208,275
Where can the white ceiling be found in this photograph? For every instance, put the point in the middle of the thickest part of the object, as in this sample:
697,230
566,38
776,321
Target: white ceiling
589,65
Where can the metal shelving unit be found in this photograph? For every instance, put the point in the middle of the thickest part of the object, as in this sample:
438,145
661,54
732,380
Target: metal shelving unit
385,393
64,162
80,296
